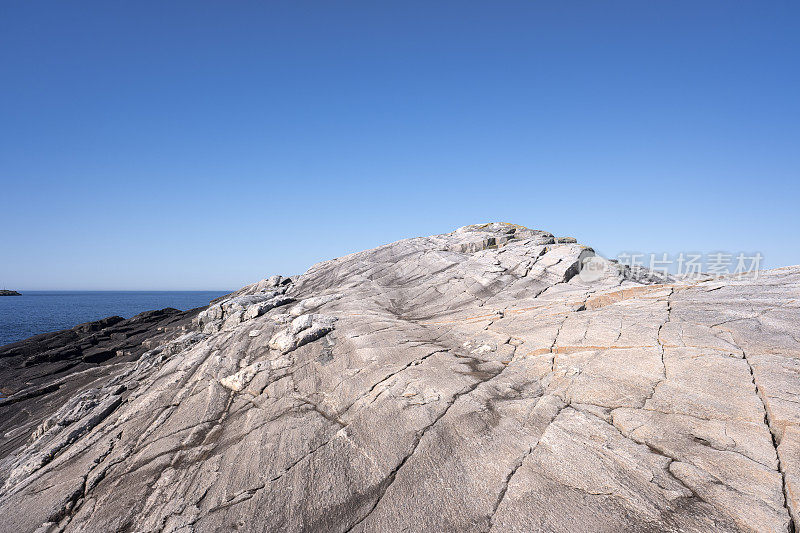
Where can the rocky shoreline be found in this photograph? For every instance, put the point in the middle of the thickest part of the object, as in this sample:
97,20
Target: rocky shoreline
43,372
470,381
6,292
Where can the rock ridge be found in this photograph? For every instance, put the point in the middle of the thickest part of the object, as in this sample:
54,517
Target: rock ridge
469,381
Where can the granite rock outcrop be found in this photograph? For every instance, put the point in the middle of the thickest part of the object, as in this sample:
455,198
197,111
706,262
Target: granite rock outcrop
470,381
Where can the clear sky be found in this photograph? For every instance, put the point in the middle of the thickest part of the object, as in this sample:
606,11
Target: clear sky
206,145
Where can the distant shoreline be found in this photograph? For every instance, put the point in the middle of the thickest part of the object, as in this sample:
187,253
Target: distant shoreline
37,312
5,292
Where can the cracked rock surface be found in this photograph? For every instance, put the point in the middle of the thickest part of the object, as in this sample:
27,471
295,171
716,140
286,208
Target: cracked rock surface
461,382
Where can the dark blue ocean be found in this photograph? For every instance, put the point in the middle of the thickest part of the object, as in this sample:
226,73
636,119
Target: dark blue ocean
42,311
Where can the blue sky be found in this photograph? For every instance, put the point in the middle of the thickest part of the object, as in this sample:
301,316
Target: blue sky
205,145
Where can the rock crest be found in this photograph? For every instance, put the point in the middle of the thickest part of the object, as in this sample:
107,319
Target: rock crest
470,381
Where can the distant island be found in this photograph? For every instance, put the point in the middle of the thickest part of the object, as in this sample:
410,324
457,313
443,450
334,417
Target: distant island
4,292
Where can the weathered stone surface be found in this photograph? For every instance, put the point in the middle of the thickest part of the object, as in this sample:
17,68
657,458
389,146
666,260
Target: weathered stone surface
470,381
41,374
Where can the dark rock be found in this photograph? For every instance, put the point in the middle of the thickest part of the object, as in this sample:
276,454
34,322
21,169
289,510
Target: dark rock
39,374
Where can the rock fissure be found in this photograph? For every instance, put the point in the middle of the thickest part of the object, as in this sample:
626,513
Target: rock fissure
516,466
389,480
662,349
773,436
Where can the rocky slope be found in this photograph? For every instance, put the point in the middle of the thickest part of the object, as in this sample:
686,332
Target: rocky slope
461,382
40,374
